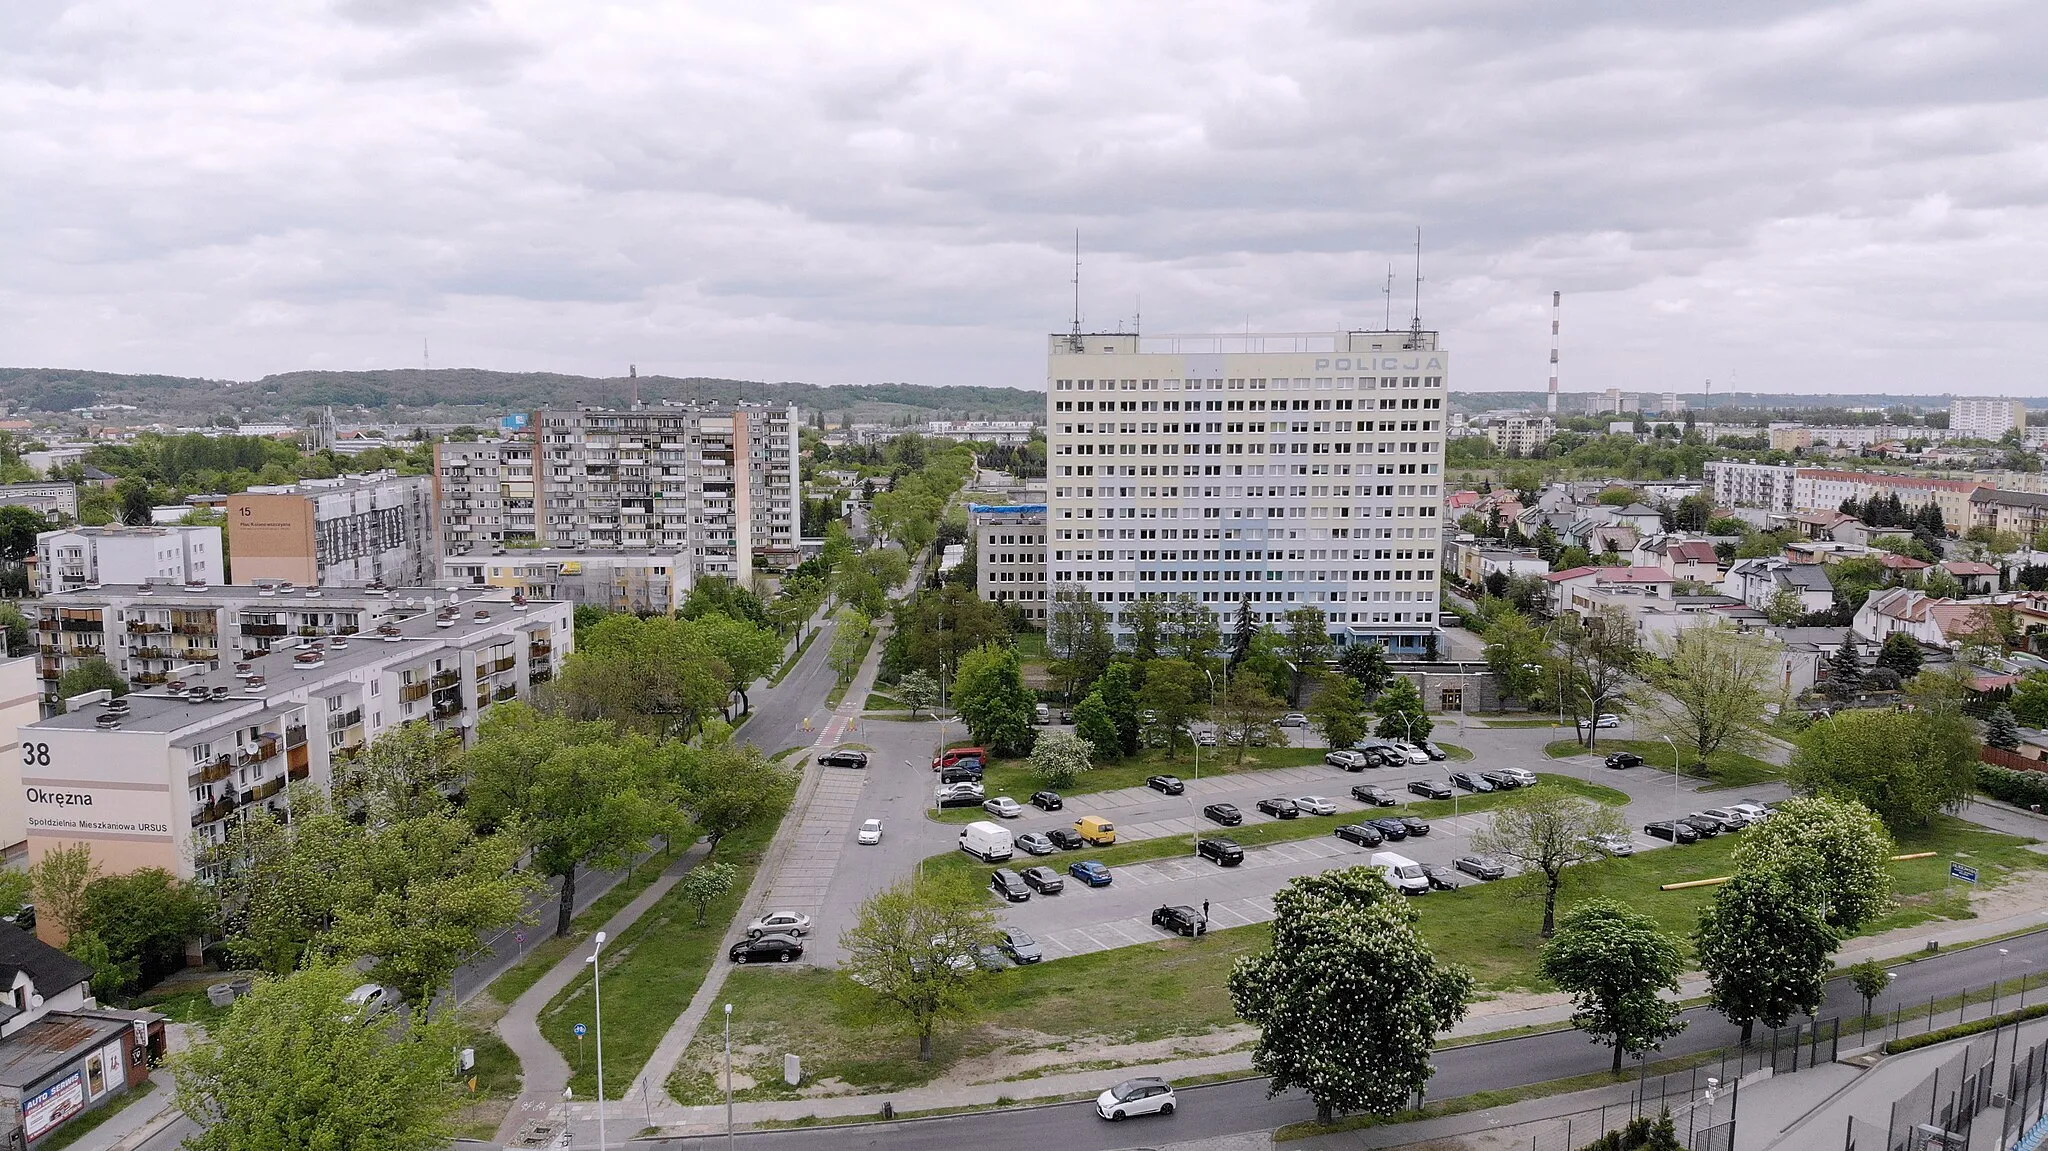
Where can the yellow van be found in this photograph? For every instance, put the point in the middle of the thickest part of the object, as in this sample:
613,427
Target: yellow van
1095,830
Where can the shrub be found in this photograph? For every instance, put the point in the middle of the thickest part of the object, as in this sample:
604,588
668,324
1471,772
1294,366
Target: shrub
2021,788
1960,1030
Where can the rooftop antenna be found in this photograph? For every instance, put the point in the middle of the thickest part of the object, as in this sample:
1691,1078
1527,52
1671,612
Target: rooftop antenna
1556,311
1415,324
426,361
1074,337
1137,315
1388,292
633,374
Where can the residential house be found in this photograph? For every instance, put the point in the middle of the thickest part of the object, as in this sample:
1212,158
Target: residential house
1807,652
61,1054
1684,559
1976,578
1828,524
1902,567
1583,589
1899,609
1645,519
1599,537
1757,582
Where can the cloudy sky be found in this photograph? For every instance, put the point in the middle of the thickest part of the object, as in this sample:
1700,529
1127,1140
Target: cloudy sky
1780,196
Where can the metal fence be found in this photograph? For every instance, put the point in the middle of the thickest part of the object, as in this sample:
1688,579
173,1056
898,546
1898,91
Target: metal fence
1914,1017
1989,1079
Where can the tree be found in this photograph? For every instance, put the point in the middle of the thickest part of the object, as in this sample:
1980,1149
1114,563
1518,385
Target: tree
1095,727
1242,633
725,786
1614,964
1766,952
2001,730
1059,758
2030,699
1901,653
1145,622
1714,691
1545,830
137,508
1339,711
94,674
59,880
19,527
1174,693
1345,947
749,649
1246,711
583,794
655,676
705,884
1835,854
409,770
16,891
1870,978
295,1065
1401,713
1077,636
1601,656
1905,766
849,642
1366,663
1307,646
143,920
903,949
919,691
16,627
275,881
1192,633
1515,652
1784,608
1845,670
1120,695
991,698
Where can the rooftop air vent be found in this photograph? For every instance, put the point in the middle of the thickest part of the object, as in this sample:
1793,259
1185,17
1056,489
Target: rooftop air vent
219,693
266,591
117,705
106,720
481,615
312,593
196,695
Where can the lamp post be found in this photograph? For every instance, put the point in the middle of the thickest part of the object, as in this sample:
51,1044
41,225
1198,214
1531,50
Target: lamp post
1676,800
728,1077
597,999
2002,953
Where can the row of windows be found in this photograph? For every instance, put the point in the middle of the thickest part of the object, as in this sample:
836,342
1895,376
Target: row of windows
1278,533
1384,404
1319,448
1424,511
1294,383
1306,468
1276,427
1256,491
1256,554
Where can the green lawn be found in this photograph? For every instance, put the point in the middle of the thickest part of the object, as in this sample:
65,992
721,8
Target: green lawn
879,702
527,972
1457,754
651,972
1725,768
1012,777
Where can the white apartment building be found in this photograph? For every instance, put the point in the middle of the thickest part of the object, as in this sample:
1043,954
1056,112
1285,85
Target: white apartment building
646,582
53,498
348,531
1282,470
1009,556
718,482
150,778
1984,418
1519,435
1751,485
72,558
484,492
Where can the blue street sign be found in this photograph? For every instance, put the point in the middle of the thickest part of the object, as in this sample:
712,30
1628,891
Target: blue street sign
579,1031
1966,874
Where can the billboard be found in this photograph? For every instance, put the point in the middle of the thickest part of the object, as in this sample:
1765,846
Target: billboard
53,1105
516,422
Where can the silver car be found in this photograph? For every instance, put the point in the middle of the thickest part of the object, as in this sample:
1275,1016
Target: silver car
1315,805
780,923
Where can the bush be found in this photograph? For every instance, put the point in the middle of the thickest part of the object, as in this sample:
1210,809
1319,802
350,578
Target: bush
2020,788
1636,1134
1960,1030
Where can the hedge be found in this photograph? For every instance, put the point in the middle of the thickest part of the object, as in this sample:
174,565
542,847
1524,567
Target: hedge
1975,1027
2021,788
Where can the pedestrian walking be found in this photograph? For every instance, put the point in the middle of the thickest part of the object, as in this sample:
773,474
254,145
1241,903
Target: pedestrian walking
1205,909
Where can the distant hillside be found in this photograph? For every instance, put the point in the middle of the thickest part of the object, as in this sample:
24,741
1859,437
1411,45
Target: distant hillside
467,393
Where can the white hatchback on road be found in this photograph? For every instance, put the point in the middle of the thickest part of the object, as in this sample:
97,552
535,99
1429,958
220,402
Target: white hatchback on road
871,832
1143,1096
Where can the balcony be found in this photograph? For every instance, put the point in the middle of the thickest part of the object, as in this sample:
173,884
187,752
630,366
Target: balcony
214,771
152,653
46,624
150,678
298,772
92,625
540,674
504,692
264,751
198,653
144,628
268,630
414,692
343,720
205,629
294,737
445,679
498,665
445,708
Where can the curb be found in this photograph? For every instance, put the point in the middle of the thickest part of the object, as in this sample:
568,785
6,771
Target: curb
155,1125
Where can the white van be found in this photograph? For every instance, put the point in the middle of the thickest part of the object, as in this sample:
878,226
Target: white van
988,842
1405,874
1044,714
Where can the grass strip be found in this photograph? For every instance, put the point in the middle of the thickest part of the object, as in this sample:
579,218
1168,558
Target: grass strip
1960,1030
545,954
795,657
1724,768
78,1128
839,686
1014,777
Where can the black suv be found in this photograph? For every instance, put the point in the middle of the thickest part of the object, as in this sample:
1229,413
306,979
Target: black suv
1362,834
1430,789
1279,808
1047,800
1226,814
1675,832
1706,825
1501,780
1169,784
842,758
1181,920
1225,852
1415,825
1377,796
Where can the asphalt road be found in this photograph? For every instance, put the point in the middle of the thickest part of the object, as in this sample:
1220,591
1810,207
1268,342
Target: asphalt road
1239,1107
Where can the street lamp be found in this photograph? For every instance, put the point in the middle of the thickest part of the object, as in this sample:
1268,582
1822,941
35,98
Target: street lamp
597,999
2002,953
1676,799
728,1077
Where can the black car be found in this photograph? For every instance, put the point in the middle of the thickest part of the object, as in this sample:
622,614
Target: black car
1415,825
1362,834
1009,885
1393,829
1675,832
1226,814
1502,780
1181,920
1047,800
1377,796
1279,808
1021,948
961,772
961,798
1706,825
1066,839
1479,866
1623,759
843,758
1470,781
1430,789
1440,878
1044,880
1433,751
780,948
1066,715
1225,852
1169,784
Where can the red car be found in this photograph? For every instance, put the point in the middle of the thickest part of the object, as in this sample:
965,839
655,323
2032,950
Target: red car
953,755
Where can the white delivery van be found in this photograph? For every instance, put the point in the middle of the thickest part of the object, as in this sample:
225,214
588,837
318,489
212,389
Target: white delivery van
992,844
1404,873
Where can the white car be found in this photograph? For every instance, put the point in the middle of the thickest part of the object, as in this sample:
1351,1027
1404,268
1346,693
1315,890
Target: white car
1612,844
1206,737
1003,807
870,832
1291,719
780,923
1522,776
1606,719
1756,812
1414,753
373,999
1146,1095
1315,805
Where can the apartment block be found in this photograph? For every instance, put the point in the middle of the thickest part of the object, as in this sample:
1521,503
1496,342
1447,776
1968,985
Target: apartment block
646,582
1751,485
151,779
1985,418
1009,556
55,498
356,530
1284,471
1519,435
719,483
72,558
20,702
484,491
1824,489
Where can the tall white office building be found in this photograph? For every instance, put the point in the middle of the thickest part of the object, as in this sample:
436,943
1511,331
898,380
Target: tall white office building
1296,470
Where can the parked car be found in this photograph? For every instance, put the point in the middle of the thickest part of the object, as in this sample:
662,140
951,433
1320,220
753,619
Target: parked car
1389,755
1036,843
1181,920
1522,776
1433,751
1501,780
1066,839
1226,814
1675,832
1415,826
990,957
780,948
1729,819
1362,834
1314,805
1089,872
1624,759
1413,753
1147,1095
1003,807
1225,852
1293,719
1047,800
1041,714
1611,844
1470,781
1278,807
953,755
1020,947
1377,796
870,832
1206,737
958,795
781,923
1429,789
1605,719
1392,828
1479,866
966,771
1096,830
1707,828
842,757
1167,784
1756,812
1441,878
1348,760
373,999
1044,880
1009,885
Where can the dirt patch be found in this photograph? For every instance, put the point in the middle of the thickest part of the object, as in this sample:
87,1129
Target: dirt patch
1030,1054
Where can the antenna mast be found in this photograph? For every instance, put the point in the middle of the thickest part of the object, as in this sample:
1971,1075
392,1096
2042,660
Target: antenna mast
426,361
1556,313
1415,324
1074,337
1388,292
